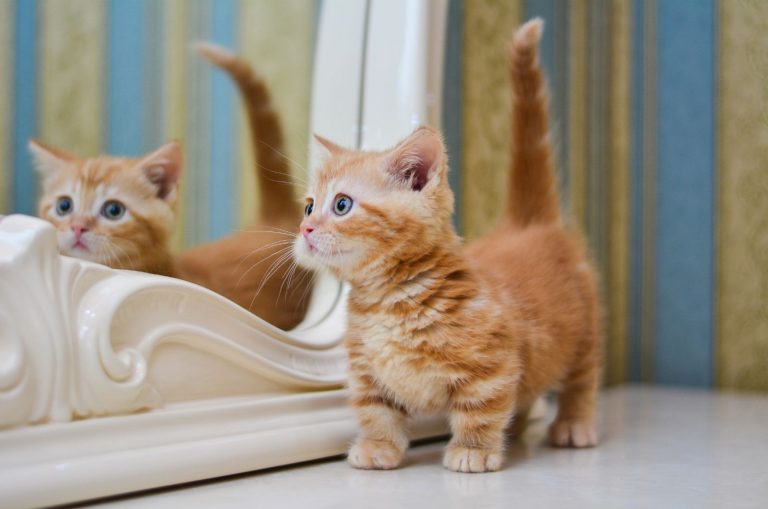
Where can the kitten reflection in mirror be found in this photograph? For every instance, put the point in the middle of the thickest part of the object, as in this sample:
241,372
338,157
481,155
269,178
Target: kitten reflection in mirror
477,331
112,210
121,212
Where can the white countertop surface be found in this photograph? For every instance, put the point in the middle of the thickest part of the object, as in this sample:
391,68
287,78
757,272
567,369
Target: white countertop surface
659,448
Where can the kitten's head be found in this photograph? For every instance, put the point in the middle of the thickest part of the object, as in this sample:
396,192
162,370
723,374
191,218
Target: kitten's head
364,208
110,210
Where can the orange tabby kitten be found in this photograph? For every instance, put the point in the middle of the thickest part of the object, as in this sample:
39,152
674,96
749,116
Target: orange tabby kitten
120,212
479,332
112,210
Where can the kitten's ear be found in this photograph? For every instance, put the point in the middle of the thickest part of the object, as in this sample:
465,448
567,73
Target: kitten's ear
330,146
417,159
47,159
163,168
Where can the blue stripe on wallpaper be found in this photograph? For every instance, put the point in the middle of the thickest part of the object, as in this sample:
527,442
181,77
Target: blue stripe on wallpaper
125,75
452,100
635,325
685,196
24,190
223,199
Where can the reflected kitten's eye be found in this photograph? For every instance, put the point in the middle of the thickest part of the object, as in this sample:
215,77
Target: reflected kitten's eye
343,205
308,209
64,205
113,210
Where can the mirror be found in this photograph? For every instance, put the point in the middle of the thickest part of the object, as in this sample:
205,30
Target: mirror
123,78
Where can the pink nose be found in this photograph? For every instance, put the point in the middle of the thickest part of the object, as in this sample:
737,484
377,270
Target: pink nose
306,230
79,230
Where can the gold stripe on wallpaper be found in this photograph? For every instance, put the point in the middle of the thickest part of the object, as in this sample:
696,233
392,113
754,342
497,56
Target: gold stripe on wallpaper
617,279
288,24
73,73
175,50
742,222
6,104
488,28
248,43
577,146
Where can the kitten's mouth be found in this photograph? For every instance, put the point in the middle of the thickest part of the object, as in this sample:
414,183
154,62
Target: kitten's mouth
79,245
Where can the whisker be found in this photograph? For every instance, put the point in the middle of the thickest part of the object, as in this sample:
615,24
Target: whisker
311,284
285,174
281,154
287,282
272,268
258,263
262,248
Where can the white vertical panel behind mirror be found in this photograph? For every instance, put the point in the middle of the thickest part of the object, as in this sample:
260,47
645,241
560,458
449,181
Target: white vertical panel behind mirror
338,74
334,114
403,69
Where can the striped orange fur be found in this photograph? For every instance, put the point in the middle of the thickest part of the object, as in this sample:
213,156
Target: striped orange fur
478,331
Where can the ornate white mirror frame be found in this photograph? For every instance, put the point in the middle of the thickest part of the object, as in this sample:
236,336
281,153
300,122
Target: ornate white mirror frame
115,381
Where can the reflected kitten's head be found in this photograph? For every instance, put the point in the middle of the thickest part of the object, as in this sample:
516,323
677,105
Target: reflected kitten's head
110,210
364,208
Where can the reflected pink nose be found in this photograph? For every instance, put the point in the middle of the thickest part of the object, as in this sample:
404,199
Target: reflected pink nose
306,230
79,230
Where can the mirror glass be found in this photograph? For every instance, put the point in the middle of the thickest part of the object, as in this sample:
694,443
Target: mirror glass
123,78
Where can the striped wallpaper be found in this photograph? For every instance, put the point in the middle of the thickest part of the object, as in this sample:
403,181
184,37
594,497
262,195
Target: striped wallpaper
119,76
659,108
660,112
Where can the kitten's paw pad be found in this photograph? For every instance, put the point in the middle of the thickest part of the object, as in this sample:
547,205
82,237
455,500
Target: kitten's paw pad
470,459
374,455
573,434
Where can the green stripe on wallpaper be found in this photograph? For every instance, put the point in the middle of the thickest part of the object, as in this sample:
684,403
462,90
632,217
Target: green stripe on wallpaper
252,14
618,153
742,229
577,143
598,62
488,28
6,104
174,97
72,75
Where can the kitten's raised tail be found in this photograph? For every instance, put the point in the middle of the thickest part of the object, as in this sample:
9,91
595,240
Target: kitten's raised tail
278,201
532,195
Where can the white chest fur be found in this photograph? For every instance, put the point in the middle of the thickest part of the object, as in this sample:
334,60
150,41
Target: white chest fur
418,385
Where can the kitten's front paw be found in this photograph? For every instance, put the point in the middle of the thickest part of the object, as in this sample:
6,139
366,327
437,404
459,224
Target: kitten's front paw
471,459
573,434
374,455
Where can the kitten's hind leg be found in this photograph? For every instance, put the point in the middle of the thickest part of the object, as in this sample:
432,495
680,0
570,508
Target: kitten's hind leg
519,423
574,425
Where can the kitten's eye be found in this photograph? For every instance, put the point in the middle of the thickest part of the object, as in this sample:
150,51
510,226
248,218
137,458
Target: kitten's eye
64,205
343,205
308,209
113,210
